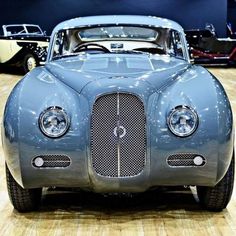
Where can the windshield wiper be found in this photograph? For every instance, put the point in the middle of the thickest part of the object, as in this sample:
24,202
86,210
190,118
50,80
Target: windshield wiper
129,52
67,55
63,56
115,51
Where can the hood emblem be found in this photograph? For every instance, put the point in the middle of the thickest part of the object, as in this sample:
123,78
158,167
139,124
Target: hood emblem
119,132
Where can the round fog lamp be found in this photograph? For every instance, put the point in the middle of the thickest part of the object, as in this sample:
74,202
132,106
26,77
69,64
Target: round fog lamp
198,160
54,122
182,121
39,161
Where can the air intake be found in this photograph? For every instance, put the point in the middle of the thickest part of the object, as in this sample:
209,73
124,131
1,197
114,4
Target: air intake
51,161
186,160
118,135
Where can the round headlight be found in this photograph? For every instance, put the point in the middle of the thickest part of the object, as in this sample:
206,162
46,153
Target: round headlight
54,122
182,121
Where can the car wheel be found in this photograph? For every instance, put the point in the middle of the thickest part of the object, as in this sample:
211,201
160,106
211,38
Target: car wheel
29,63
23,200
217,198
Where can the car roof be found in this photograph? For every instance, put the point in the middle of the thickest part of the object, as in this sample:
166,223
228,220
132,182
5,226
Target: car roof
11,25
138,20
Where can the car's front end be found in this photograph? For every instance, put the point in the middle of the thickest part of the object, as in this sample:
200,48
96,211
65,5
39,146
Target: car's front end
148,151
118,121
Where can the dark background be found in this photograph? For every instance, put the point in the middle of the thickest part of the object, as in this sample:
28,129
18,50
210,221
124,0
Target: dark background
232,13
48,13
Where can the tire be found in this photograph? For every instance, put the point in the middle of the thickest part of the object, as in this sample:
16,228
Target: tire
23,200
29,62
217,198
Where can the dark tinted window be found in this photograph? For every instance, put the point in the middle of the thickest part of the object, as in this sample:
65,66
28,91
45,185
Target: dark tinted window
34,30
15,30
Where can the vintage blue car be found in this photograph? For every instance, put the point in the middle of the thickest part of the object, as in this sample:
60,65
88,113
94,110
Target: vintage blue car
118,108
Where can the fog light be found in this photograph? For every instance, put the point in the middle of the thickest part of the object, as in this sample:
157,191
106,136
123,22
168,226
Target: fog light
39,162
198,160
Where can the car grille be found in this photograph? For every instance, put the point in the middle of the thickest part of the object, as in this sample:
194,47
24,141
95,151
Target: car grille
118,135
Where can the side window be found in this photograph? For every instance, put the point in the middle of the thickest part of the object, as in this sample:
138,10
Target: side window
175,44
61,44
57,50
33,30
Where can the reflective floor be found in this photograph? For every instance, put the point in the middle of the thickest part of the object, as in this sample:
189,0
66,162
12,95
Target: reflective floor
162,212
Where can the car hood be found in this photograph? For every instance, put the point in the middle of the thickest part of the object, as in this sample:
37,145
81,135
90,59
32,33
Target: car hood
156,71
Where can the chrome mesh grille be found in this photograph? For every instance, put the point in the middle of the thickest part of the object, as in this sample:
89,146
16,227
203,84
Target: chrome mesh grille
53,161
118,135
183,159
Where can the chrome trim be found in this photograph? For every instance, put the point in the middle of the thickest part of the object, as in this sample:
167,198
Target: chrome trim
173,111
118,143
118,134
48,155
41,125
25,28
195,166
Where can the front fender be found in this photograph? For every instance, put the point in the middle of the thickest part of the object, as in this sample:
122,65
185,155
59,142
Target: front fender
22,137
214,137
10,133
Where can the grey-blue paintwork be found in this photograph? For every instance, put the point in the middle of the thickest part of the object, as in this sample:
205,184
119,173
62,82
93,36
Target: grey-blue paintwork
161,82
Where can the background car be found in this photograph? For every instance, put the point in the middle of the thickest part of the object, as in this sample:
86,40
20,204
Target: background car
207,48
23,45
231,34
118,107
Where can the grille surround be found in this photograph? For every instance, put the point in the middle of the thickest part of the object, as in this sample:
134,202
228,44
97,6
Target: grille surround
53,161
122,151
184,160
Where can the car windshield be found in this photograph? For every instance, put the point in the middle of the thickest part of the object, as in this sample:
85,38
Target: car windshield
34,30
117,32
11,30
23,29
118,39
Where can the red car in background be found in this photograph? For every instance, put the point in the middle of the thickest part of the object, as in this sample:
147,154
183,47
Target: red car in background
206,48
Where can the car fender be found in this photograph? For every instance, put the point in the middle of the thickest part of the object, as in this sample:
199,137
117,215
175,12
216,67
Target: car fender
214,137
22,137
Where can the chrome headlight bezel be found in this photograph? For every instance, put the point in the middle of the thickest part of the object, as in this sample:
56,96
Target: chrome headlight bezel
187,109
63,113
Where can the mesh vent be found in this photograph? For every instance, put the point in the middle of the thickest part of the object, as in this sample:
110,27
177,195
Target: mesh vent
184,159
52,161
118,135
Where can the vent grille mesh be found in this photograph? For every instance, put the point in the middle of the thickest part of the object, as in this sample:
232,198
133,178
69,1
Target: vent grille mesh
53,161
118,135
183,159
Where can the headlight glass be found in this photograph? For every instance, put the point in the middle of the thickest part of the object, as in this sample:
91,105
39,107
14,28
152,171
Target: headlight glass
182,121
54,122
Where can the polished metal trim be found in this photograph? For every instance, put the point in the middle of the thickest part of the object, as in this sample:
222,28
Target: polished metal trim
186,108
191,166
118,133
67,118
48,155
118,143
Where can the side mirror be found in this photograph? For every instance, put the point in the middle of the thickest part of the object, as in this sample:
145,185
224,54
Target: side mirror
45,32
192,61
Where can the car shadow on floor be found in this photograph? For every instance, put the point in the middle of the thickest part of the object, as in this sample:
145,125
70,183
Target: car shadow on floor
11,70
162,199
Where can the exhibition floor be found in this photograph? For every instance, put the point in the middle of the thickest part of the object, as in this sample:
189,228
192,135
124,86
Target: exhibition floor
153,213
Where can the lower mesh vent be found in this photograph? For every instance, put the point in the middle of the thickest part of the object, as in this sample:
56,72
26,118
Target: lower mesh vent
186,159
51,161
